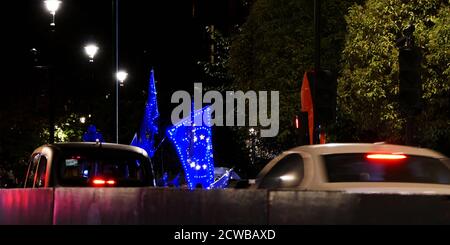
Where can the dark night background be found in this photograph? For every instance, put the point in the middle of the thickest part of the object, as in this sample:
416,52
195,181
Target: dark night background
166,35
258,45
169,36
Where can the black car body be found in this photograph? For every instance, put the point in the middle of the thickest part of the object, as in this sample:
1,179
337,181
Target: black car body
89,165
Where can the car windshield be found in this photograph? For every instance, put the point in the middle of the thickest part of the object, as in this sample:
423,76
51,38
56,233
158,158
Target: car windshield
359,167
103,168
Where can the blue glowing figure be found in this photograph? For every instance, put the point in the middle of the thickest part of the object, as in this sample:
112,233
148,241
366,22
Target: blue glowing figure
92,135
194,148
145,138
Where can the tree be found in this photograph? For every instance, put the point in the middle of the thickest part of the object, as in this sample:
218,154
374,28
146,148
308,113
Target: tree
215,69
68,128
368,86
276,46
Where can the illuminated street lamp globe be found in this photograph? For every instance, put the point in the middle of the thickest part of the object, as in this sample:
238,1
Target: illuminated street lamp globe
121,77
91,50
52,6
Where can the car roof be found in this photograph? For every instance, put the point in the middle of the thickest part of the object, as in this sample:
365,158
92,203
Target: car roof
339,148
93,145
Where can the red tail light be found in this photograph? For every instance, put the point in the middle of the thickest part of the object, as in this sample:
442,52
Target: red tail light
99,182
386,156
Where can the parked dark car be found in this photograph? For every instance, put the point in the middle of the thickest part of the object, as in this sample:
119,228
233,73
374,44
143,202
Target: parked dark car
89,165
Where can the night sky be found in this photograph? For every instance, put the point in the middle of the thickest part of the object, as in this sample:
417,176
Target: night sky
168,36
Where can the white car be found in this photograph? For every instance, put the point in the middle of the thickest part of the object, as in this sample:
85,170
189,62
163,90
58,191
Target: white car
358,168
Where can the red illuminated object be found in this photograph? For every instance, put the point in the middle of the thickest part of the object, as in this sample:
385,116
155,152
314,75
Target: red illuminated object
386,156
99,181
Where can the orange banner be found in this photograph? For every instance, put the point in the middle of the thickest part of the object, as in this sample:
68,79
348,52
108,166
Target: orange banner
308,105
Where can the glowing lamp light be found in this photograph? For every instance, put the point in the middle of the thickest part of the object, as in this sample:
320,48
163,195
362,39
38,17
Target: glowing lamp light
386,156
111,182
91,50
52,6
121,77
83,120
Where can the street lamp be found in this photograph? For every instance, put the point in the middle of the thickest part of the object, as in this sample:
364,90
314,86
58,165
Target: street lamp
52,6
91,50
121,76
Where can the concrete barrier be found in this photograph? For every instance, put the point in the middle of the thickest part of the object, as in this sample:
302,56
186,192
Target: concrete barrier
134,206
303,207
26,207
405,209
159,206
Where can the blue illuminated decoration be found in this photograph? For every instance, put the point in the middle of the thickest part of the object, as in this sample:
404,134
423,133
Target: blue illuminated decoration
145,138
163,181
194,148
86,173
222,182
92,135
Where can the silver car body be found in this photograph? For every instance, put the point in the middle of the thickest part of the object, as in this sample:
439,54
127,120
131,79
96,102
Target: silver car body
315,177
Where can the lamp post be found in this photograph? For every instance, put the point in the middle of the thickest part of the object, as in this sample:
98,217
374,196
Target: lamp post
52,6
91,51
317,26
121,76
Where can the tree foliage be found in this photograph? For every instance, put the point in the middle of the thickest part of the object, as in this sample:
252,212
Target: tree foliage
216,69
275,47
369,82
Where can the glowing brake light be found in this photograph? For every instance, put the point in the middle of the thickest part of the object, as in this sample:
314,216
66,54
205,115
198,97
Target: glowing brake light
386,156
99,181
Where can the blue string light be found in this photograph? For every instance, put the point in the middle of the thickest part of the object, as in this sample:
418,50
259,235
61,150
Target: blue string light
145,138
194,148
222,182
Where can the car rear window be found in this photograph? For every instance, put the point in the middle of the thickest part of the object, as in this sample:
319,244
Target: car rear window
358,167
91,168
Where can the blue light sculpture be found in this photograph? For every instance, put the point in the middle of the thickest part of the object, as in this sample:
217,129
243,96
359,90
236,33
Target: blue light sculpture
223,181
194,148
92,135
145,138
